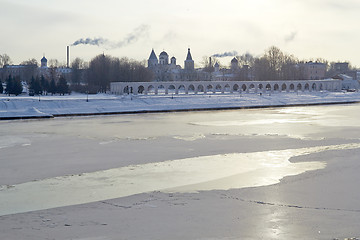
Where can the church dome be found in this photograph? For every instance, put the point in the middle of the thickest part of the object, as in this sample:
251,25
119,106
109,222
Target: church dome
44,59
163,53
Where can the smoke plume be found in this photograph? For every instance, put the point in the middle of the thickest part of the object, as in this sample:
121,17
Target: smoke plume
90,41
129,39
226,54
290,37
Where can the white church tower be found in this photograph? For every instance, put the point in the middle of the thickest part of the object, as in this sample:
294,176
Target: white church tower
153,60
189,62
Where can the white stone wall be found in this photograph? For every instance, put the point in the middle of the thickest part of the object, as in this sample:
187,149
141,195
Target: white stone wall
203,87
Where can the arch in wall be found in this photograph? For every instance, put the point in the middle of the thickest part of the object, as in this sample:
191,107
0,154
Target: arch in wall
321,87
161,89
218,88
150,89
276,87
227,88
181,89
261,86
268,87
292,87
191,89
243,87
141,89
235,88
313,87
299,87
283,87
171,89
307,87
209,88
200,89
252,88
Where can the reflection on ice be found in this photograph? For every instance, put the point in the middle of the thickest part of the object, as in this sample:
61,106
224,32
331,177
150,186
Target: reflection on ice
252,122
11,141
190,138
236,170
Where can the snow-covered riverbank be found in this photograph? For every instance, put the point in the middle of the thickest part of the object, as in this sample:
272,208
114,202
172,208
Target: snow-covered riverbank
183,175
80,104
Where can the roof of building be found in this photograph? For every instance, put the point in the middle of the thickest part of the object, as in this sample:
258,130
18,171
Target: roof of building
234,60
315,63
153,55
216,64
188,57
163,53
44,59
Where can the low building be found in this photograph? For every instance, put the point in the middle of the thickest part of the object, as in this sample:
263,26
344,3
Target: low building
314,70
347,82
26,72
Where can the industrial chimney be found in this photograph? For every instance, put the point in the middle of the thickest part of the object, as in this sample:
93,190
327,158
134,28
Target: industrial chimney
67,56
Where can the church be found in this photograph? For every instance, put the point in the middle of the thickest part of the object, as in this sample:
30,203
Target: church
167,71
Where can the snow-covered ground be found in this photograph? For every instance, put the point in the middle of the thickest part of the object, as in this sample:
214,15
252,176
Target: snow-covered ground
315,204
49,106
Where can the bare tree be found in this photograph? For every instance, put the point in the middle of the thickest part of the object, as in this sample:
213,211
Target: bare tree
246,59
77,66
53,63
275,58
31,61
30,67
99,73
208,63
4,60
261,68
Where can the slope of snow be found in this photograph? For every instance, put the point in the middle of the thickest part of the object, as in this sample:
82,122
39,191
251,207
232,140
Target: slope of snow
77,104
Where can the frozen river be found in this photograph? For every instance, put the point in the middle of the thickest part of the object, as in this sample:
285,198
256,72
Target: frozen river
67,161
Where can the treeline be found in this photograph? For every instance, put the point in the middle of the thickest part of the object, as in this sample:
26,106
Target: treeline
40,86
275,64
13,86
96,75
103,69
37,86
92,77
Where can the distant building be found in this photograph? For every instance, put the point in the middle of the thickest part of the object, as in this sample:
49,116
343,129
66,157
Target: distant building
189,62
314,70
26,72
234,64
169,71
347,82
44,62
341,68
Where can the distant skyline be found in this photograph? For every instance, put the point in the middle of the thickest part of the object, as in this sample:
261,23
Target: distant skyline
308,29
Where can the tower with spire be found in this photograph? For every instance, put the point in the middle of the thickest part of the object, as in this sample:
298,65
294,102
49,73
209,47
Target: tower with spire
165,70
153,60
234,64
189,62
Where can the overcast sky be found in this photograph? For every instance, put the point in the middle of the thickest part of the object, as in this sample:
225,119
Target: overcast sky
305,28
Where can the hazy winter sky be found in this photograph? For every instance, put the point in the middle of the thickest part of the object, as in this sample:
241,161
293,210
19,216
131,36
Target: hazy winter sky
305,28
